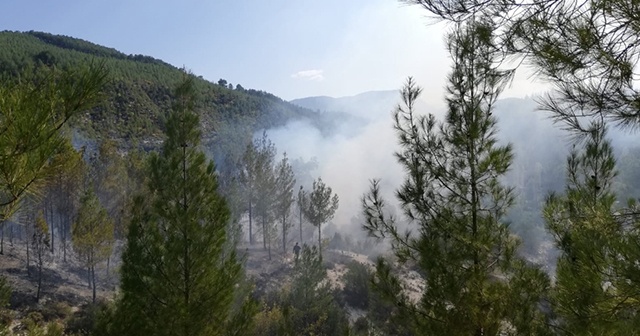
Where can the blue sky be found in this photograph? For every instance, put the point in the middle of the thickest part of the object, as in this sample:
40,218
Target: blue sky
290,48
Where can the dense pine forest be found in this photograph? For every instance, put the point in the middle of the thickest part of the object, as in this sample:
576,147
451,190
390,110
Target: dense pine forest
137,198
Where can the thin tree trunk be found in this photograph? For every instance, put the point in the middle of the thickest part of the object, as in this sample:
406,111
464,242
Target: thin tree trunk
187,262
319,242
264,232
93,278
2,237
11,234
250,222
64,239
53,228
27,242
89,272
39,275
269,247
284,234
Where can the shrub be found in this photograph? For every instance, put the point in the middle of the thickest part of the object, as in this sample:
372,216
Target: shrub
357,285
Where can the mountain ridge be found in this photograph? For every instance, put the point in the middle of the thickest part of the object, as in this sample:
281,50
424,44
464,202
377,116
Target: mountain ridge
140,90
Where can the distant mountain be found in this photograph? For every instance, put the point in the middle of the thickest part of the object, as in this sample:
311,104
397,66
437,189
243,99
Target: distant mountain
370,105
539,147
138,95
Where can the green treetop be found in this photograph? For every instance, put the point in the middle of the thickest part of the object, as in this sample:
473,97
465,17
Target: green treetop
285,180
596,289
179,275
33,109
319,206
453,204
92,235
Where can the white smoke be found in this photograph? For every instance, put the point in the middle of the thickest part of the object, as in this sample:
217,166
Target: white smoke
359,150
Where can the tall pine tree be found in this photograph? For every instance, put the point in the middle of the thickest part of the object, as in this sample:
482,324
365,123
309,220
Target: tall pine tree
319,206
179,275
454,203
92,235
594,292
285,181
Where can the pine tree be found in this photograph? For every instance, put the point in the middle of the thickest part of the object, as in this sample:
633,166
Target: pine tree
588,51
588,296
453,204
232,190
257,177
109,177
319,206
285,181
108,174
179,274
63,189
312,308
248,180
306,306
92,235
265,188
33,110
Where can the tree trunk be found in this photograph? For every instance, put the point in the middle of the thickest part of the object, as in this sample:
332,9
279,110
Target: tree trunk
300,225
93,279
108,262
89,275
53,229
64,239
269,247
27,243
264,232
284,234
319,242
250,222
39,277
2,237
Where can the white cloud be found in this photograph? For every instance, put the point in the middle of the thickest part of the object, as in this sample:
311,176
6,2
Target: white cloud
312,75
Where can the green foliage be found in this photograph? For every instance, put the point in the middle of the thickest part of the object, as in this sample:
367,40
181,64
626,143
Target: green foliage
5,292
56,310
36,327
453,199
62,190
33,109
91,319
256,177
357,281
92,230
140,93
588,51
285,180
110,177
265,187
6,316
269,321
40,239
92,234
319,206
593,292
178,275
361,327
577,48
308,306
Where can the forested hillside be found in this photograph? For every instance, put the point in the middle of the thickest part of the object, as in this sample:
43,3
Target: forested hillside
139,91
